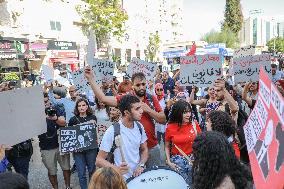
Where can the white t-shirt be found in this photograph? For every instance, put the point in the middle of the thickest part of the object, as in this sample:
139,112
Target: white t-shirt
132,140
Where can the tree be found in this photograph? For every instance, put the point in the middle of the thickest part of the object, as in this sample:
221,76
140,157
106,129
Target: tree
233,16
153,47
105,17
279,44
225,36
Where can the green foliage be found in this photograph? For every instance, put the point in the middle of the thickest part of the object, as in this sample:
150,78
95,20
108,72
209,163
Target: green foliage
153,47
105,17
279,44
233,16
226,36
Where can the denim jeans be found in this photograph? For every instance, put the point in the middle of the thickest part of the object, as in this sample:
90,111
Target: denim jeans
86,158
185,169
21,165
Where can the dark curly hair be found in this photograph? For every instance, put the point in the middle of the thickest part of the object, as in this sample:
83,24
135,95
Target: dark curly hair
214,160
126,102
177,110
222,122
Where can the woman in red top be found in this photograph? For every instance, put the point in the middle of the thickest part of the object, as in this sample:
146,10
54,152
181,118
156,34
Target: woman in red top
223,123
181,132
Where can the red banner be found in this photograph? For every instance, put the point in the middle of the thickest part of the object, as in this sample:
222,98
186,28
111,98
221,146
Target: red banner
264,133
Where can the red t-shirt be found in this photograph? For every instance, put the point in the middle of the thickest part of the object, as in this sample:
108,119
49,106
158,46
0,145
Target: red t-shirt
182,136
146,121
236,149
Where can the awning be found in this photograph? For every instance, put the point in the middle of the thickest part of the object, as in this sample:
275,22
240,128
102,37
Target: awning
65,60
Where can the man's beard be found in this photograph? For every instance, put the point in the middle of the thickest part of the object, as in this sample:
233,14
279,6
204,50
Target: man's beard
140,93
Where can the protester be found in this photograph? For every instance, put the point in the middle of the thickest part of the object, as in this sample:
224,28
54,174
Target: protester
276,74
11,180
100,110
223,123
250,91
107,178
180,132
133,146
152,111
86,158
124,87
3,160
168,83
113,113
215,164
49,146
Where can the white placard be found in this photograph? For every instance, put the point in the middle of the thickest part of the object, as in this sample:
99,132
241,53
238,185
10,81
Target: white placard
48,72
200,70
248,68
91,47
103,69
137,65
80,82
244,51
22,115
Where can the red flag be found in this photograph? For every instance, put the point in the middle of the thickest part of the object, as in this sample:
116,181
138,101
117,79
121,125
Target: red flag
192,49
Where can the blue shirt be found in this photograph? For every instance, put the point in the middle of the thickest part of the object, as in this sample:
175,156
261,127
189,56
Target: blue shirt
68,104
3,165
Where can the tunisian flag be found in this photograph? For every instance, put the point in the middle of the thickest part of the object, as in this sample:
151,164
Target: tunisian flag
192,49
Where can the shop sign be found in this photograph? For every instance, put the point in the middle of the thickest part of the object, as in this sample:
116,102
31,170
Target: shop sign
8,55
61,45
38,47
63,54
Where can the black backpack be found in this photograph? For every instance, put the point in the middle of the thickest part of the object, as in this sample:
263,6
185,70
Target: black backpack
116,127
241,121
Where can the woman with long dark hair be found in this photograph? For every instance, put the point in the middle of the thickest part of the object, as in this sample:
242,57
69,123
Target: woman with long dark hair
180,134
215,164
87,158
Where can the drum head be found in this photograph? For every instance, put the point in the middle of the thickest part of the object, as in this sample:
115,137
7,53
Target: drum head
155,178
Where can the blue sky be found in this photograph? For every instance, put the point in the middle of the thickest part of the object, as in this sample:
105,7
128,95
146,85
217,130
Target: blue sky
200,16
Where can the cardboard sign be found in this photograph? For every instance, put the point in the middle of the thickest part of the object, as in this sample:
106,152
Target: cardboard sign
200,70
137,65
103,69
77,138
22,115
48,72
264,132
102,126
247,68
80,82
244,51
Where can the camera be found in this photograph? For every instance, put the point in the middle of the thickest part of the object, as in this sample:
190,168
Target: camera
50,111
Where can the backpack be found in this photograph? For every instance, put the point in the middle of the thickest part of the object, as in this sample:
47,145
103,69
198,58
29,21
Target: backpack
241,121
116,127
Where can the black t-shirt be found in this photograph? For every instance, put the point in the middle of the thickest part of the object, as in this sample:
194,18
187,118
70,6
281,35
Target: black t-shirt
75,120
49,140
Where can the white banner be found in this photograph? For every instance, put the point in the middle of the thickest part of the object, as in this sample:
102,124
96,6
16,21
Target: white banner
22,115
200,70
137,65
247,68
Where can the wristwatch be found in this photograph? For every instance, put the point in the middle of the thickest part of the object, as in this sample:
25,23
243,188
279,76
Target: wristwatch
142,165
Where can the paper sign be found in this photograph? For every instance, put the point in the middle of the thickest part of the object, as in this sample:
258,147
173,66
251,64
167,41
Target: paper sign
103,69
48,72
102,126
80,82
264,132
77,138
91,47
62,81
22,115
244,51
247,68
200,70
137,65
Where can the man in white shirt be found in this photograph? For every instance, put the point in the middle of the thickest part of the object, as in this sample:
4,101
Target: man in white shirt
133,139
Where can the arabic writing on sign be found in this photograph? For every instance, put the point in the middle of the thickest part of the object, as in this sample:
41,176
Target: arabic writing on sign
200,59
103,69
155,179
138,65
249,60
80,82
244,51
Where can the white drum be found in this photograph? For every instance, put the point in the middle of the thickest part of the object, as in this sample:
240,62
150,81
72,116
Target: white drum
155,178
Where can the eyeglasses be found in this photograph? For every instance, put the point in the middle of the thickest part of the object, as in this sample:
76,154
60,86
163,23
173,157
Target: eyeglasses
139,84
159,89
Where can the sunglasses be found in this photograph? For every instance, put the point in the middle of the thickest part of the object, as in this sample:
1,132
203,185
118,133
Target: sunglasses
139,84
159,89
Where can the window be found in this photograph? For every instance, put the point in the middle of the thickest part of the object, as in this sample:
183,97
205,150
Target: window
254,31
55,26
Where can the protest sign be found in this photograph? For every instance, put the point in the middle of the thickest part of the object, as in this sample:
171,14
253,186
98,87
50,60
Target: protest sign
62,81
137,65
102,126
264,134
244,51
200,70
22,115
91,47
77,138
247,68
80,82
103,69
48,72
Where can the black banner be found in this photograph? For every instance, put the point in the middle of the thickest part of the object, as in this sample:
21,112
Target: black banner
61,45
77,138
